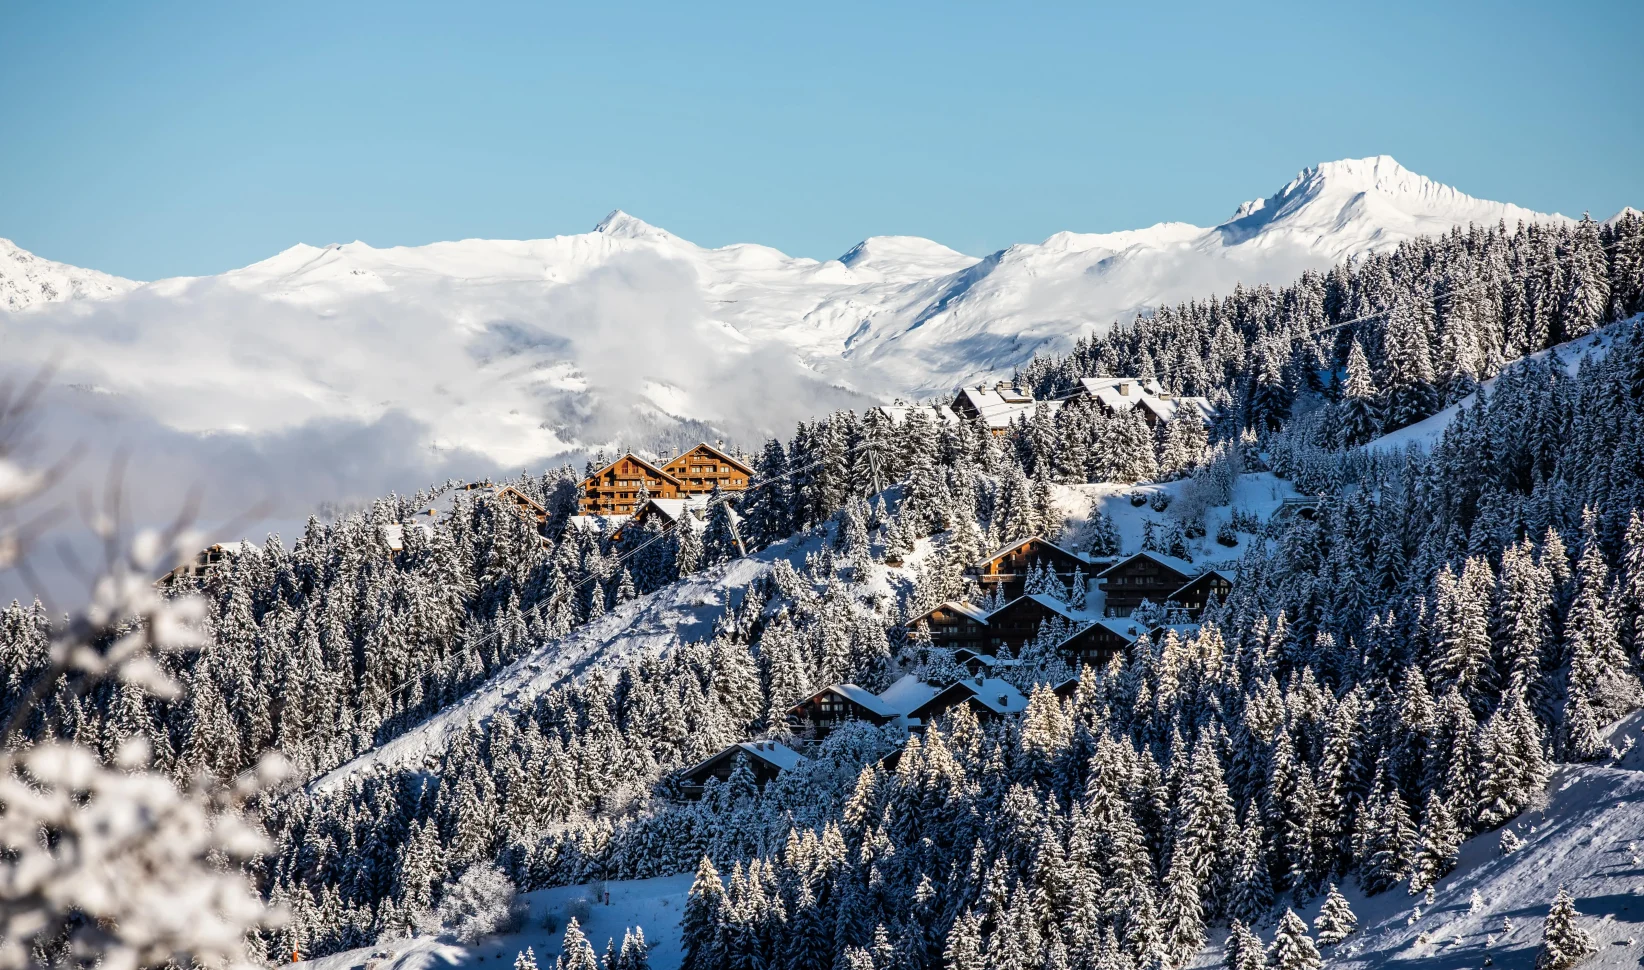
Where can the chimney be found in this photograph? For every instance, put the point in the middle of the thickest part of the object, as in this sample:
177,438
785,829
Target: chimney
1124,388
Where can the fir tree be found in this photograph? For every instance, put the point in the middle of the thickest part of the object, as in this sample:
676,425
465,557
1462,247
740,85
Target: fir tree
1563,942
576,953
1361,412
1292,948
1335,921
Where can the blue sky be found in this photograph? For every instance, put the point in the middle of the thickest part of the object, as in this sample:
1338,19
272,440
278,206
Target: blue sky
163,139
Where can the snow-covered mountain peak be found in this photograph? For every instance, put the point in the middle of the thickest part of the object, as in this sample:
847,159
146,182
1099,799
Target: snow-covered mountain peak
904,258
27,280
621,225
1357,204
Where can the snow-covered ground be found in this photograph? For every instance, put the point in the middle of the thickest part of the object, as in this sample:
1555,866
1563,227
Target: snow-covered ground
653,905
1588,837
1259,494
1426,432
680,612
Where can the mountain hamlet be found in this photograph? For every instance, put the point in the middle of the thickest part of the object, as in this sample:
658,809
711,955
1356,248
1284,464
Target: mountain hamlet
1297,626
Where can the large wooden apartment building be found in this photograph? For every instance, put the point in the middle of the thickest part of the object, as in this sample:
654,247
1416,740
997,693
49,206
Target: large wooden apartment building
614,489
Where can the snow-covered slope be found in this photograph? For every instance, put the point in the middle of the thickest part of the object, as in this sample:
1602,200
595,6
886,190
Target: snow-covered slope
520,350
26,280
1588,837
686,611
1426,432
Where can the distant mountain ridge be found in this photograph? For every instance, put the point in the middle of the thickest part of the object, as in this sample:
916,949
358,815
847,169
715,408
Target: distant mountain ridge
524,349
27,280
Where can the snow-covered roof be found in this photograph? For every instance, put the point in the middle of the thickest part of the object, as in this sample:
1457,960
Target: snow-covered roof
1000,405
1119,626
1010,547
861,696
998,696
647,465
719,452
394,533
1221,573
1120,394
1048,602
967,609
1180,565
773,753
907,693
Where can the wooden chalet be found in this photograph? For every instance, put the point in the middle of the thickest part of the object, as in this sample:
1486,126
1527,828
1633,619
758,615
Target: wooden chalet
831,706
1143,576
1008,568
669,511
217,556
820,713
1097,643
513,498
614,489
988,698
1119,395
954,625
1016,623
766,759
996,408
1195,595
704,468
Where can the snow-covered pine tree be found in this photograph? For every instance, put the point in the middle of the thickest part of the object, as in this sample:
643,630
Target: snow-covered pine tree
1292,948
1600,688
1563,942
1336,921
576,953
1361,402
1243,950
1440,842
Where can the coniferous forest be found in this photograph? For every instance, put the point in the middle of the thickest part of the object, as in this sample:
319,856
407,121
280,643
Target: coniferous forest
1390,676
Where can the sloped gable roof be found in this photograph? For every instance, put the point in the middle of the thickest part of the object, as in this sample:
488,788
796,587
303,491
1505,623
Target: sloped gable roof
1181,566
648,466
773,753
1207,574
867,699
1006,550
966,609
1120,627
998,696
721,455
1048,602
